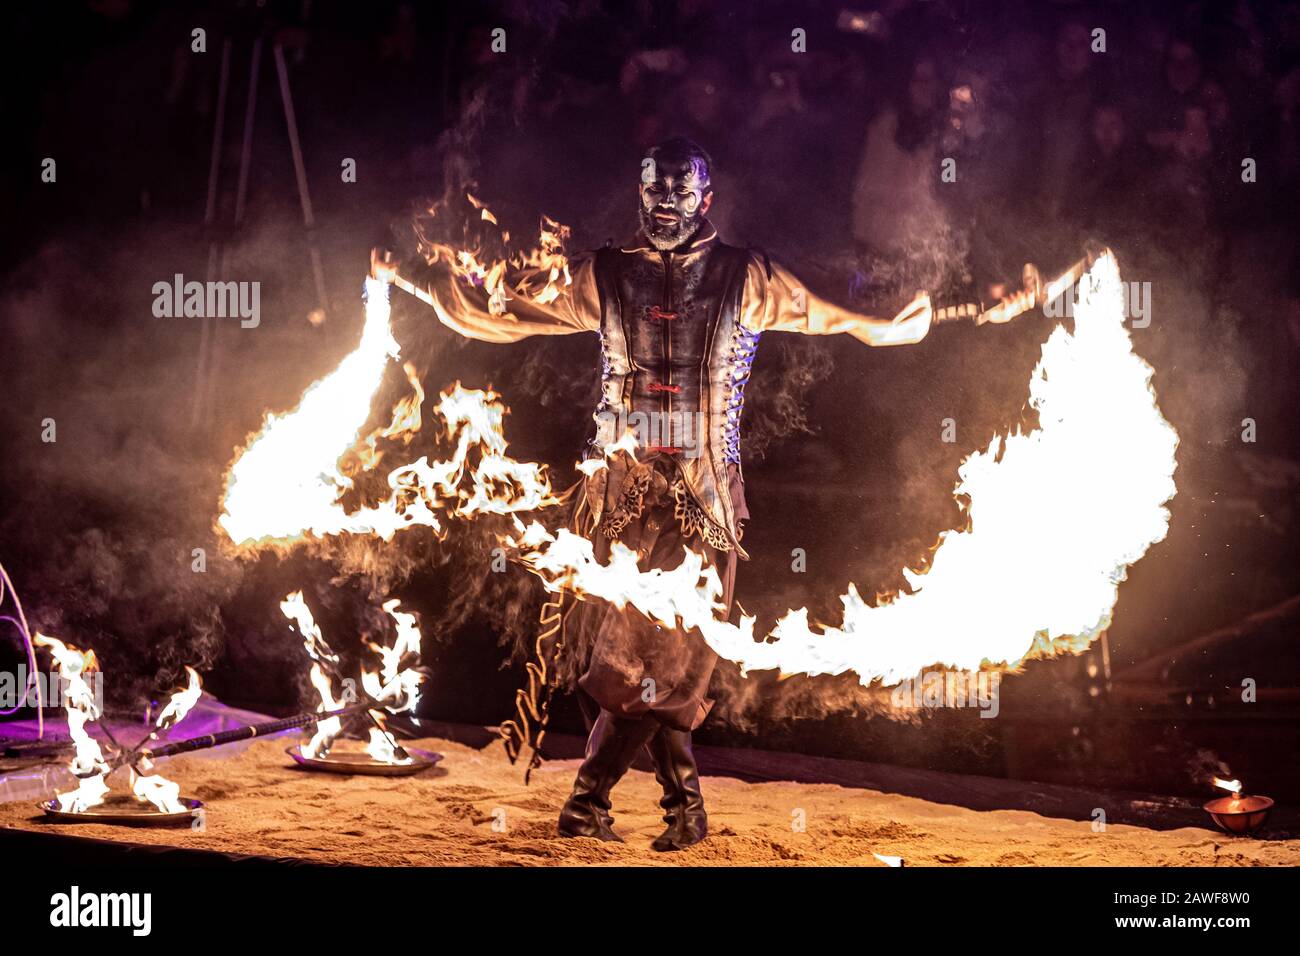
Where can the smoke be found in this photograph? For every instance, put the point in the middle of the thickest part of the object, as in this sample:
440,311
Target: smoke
106,523
745,703
776,401
1204,765
110,491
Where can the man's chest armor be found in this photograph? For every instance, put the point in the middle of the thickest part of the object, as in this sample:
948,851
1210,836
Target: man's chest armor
669,306
675,361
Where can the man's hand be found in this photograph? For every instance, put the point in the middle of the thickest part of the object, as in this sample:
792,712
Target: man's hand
1010,306
383,264
909,327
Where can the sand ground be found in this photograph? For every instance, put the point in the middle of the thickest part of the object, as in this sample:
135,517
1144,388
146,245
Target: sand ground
473,809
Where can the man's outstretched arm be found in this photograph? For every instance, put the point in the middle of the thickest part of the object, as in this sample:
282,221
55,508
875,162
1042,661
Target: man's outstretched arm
775,300
529,301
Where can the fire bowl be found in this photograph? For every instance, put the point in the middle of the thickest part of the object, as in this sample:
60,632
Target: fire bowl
352,762
123,810
1239,815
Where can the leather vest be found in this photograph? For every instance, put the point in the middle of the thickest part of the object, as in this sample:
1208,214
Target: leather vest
675,361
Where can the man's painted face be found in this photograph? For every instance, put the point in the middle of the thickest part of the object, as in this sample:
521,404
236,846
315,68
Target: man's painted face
674,199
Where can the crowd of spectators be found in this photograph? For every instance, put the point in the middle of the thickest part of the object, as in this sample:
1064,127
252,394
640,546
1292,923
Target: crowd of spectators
828,121
1173,127
1168,131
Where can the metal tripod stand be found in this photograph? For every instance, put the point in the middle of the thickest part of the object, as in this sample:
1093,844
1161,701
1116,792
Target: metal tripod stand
208,360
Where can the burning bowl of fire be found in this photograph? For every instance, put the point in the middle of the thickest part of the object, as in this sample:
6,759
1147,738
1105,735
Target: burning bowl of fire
124,810
361,762
1238,814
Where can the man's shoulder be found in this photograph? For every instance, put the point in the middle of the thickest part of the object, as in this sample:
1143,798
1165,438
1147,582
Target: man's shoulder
754,258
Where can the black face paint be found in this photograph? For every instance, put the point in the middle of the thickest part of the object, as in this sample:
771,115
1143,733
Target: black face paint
672,200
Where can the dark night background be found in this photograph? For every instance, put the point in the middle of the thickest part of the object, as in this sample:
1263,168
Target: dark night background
817,156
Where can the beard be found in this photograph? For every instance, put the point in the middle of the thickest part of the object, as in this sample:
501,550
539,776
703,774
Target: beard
667,236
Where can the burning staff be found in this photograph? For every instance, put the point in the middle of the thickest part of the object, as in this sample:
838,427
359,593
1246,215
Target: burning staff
680,314
144,752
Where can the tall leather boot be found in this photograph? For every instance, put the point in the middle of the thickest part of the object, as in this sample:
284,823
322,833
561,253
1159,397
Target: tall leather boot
682,801
590,714
611,747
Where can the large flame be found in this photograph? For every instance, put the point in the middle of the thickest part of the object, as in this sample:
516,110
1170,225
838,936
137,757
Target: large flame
1055,515
286,484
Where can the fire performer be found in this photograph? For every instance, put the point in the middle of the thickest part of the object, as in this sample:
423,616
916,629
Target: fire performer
679,314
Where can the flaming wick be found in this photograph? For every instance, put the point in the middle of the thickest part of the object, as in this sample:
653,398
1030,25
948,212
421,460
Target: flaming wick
1233,786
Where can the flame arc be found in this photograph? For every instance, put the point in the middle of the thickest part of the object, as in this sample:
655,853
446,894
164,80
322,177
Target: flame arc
1056,514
